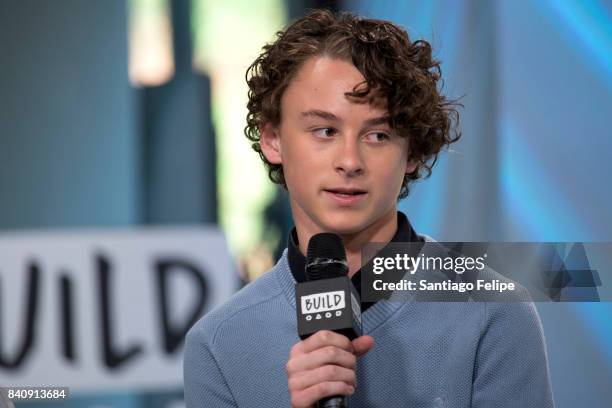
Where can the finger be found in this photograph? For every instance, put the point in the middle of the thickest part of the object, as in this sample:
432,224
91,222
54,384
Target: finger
318,358
363,344
327,373
325,338
313,394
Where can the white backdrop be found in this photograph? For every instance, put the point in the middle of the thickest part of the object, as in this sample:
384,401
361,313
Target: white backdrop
198,269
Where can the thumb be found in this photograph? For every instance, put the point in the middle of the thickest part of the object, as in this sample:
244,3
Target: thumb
362,345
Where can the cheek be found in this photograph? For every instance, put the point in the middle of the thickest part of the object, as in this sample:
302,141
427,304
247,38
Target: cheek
303,159
391,166
300,167
390,173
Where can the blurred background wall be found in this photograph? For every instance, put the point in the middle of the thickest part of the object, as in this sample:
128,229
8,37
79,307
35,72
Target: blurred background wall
70,152
131,113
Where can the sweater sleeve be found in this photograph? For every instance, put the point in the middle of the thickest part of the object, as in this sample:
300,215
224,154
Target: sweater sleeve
205,385
511,367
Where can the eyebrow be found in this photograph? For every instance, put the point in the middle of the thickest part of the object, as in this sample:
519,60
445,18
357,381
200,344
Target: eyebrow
383,120
320,114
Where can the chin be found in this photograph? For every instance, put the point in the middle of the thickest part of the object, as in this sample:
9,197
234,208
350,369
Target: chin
344,224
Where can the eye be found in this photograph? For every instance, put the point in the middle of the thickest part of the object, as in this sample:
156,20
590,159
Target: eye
324,133
376,137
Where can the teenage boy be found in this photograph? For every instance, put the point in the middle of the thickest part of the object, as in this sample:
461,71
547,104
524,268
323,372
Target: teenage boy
345,112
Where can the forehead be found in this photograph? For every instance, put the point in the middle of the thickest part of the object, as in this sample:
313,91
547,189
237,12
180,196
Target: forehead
321,83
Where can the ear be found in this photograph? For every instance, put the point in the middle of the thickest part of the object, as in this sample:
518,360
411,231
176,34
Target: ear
270,143
411,166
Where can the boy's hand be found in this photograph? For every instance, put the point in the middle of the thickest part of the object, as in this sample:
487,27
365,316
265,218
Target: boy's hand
324,365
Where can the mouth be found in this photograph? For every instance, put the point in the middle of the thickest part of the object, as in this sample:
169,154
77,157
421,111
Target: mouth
345,196
346,191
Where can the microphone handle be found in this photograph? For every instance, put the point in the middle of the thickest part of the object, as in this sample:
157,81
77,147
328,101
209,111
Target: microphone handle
335,401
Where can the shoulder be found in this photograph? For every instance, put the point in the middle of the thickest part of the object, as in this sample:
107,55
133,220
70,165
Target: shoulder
257,294
511,313
489,285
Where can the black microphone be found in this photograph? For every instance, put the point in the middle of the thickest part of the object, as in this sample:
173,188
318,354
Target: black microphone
328,300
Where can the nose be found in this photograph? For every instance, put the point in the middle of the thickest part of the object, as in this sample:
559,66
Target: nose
349,160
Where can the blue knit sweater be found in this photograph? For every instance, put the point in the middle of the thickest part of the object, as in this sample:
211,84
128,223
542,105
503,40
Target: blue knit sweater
468,354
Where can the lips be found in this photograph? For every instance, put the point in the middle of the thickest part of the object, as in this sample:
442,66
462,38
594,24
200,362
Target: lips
345,196
345,191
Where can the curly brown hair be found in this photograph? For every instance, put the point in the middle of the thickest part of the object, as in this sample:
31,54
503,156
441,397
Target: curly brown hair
394,67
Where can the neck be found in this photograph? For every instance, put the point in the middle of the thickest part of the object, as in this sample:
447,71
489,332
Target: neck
382,230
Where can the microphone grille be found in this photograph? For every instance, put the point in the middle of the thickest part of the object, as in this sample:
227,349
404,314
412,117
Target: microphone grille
325,257
325,245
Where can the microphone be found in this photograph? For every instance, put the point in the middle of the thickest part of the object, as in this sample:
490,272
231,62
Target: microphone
327,300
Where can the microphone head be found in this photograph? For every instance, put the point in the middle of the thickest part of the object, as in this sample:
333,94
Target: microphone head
325,257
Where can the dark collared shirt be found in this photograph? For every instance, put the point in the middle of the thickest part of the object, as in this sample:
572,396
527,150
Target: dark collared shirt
297,261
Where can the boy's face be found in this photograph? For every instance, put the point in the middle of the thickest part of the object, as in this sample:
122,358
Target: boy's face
343,164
